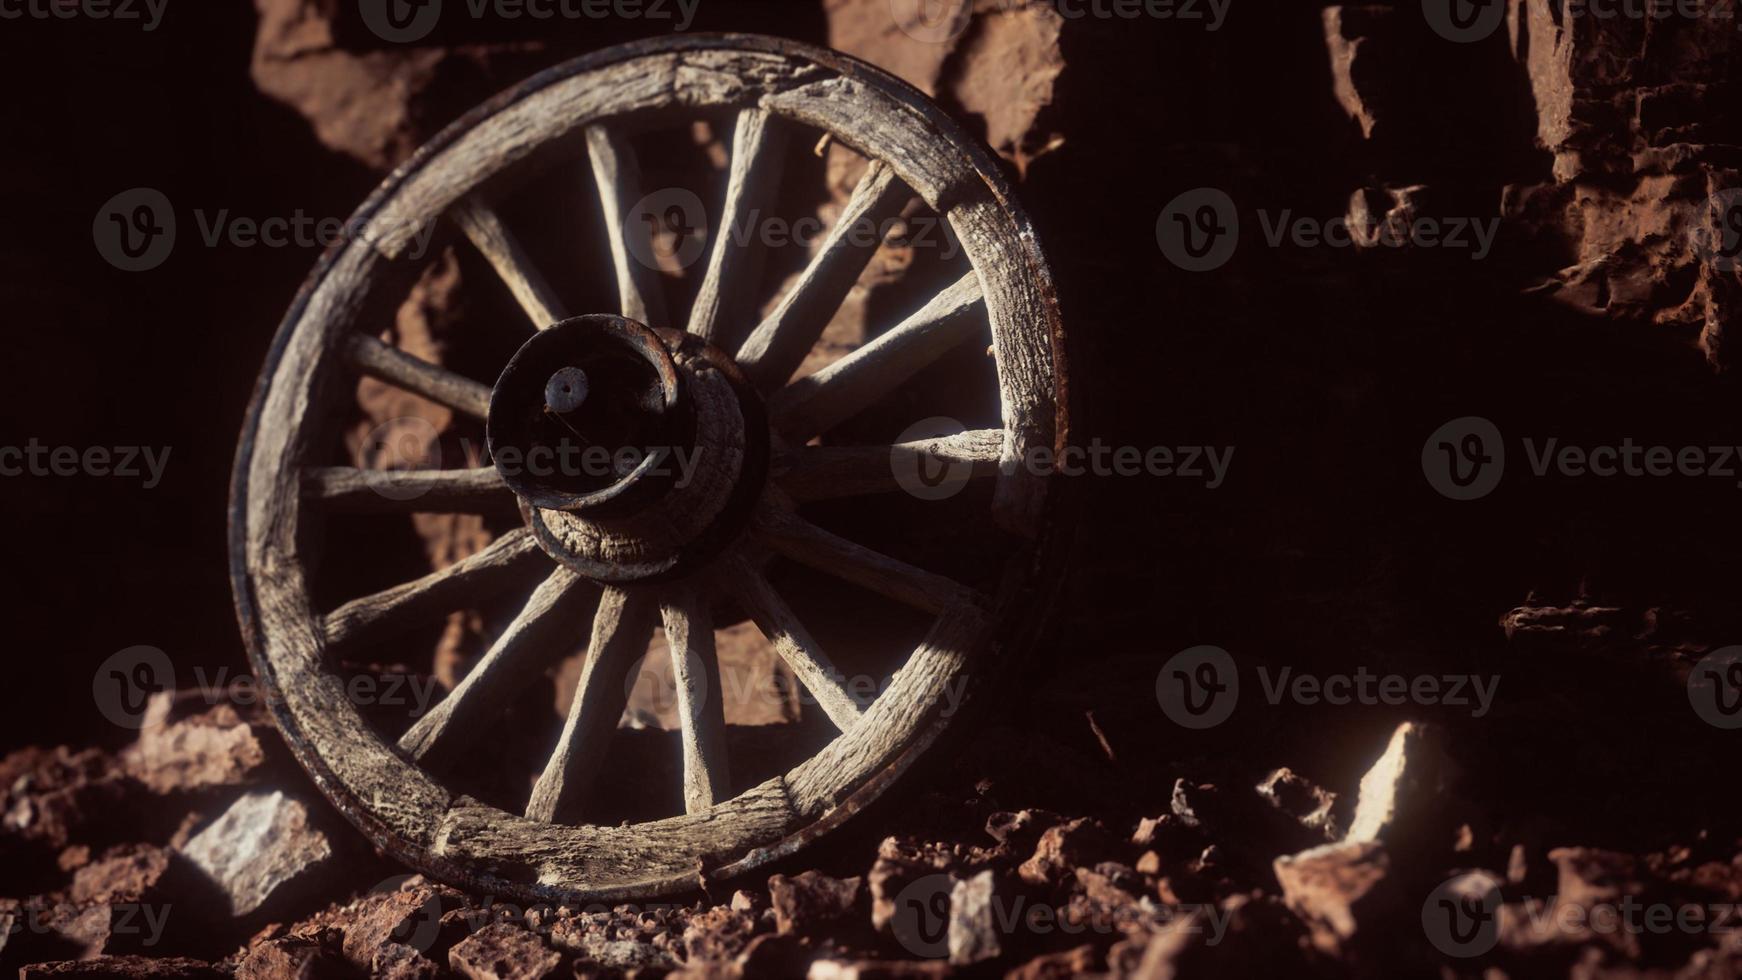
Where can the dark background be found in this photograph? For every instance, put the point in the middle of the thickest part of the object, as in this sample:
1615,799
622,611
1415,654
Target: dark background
1325,368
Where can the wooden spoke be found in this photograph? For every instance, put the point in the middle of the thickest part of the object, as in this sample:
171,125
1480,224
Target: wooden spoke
807,544
387,363
485,229
621,630
507,560
781,342
817,403
689,631
826,472
469,491
617,175
792,642
727,294
547,625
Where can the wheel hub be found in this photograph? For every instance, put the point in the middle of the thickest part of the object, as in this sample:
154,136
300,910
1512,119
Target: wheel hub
635,453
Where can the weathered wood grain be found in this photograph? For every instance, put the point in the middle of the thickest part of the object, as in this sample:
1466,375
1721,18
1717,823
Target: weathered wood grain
547,627
622,628
617,175
484,227
624,862
395,800
796,538
701,705
793,643
811,473
817,403
346,488
727,295
779,344
378,360
504,562
896,719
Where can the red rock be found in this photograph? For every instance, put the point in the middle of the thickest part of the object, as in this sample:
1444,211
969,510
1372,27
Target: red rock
1076,962
48,795
1000,62
1591,877
1064,848
123,874
718,934
811,902
1109,884
1339,890
410,915
900,862
42,927
73,858
1020,832
289,959
261,852
1401,795
374,105
397,961
774,956
1635,115
878,970
503,952
974,920
1300,798
211,750
125,968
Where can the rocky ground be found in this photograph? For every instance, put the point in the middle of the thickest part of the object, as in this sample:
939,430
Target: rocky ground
1074,845
1585,823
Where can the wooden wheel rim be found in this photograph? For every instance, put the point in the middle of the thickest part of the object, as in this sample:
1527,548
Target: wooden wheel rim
460,840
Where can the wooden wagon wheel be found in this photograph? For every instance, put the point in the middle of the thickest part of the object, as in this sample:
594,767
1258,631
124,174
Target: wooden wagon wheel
635,551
